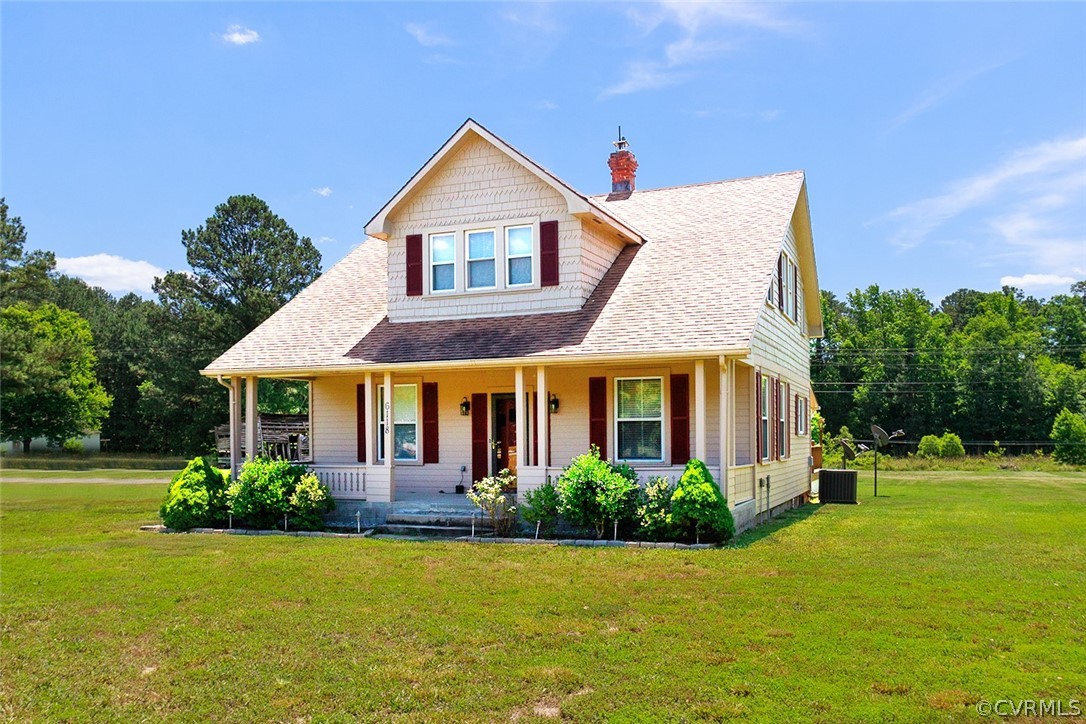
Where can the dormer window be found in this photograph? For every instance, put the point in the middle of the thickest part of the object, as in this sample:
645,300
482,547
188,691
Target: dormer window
468,260
519,250
442,262
481,257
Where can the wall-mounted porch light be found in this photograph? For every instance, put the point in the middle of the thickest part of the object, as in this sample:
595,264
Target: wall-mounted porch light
465,407
553,403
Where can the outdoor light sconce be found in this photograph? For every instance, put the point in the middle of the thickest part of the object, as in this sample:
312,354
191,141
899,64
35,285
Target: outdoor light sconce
553,403
465,407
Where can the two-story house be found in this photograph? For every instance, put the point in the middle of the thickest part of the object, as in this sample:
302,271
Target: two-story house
497,318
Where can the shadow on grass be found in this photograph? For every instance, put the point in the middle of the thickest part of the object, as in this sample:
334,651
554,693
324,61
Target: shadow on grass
782,521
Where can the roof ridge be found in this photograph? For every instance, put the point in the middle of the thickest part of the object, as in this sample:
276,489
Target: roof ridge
708,183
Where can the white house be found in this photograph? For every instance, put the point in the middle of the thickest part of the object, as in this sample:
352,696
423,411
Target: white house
495,317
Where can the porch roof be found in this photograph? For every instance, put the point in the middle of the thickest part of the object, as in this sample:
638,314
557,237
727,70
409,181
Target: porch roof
696,285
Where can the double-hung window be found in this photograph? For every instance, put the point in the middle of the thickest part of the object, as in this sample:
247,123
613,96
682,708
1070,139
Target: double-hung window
639,418
518,255
481,260
790,288
442,262
405,425
765,417
782,420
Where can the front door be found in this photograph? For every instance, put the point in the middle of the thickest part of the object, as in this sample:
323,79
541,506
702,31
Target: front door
504,429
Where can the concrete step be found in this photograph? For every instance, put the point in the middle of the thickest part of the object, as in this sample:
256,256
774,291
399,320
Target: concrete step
423,531
437,518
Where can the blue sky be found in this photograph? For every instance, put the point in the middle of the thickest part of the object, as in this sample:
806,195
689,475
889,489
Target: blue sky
945,144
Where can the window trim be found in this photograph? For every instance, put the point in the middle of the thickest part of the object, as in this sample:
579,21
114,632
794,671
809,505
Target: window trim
430,263
379,448
803,415
790,289
663,419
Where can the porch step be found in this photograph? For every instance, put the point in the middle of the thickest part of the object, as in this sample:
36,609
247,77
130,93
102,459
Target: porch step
423,531
433,518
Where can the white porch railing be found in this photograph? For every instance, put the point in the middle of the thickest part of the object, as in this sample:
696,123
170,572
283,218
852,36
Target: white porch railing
343,481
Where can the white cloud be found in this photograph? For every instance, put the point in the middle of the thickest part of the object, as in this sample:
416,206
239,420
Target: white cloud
1056,167
113,273
327,240
239,35
426,37
546,105
324,191
703,27
1037,281
939,92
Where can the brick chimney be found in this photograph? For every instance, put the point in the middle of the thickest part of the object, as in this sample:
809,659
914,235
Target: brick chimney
623,166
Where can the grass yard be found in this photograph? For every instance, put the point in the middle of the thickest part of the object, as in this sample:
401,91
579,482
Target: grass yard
947,589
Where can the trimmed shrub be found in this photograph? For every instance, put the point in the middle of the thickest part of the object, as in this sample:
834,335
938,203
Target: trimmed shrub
698,509
309,502
488,495
1069,434
591,492
196,497
930,447
261,494
654,511
542,508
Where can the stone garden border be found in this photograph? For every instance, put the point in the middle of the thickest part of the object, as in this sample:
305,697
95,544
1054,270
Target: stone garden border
575,542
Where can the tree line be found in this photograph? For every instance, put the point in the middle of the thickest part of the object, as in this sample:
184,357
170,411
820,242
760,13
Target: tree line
988,366
76,358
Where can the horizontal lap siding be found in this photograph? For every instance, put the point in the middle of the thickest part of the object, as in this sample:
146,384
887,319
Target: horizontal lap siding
781,349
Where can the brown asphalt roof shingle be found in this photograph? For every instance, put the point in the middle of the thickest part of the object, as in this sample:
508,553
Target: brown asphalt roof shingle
696,284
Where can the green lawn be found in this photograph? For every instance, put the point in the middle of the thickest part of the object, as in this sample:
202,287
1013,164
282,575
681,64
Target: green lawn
947,589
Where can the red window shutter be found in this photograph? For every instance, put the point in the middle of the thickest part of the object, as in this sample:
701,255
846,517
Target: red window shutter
758,415
548,253
535,428
680,419
360,415
430,439
780,282
787,420
480,443
597,413
414,265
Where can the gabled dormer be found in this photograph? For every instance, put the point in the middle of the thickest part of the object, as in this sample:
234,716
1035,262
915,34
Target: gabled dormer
482,230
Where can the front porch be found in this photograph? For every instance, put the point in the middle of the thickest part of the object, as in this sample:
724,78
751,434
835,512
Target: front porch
444,428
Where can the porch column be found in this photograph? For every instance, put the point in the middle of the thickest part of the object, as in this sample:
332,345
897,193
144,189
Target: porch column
371,420
725,425
522,419
251,418
542,416
390,435
699,411
235,426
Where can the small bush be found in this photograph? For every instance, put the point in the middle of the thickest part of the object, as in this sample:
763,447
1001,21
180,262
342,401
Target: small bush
698,508
1069,434
952,446
654,511
488,495
73,446
309,502
196,497
591,492
542,508
930,447
261,494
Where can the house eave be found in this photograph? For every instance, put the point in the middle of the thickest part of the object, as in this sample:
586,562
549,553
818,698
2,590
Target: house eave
504,362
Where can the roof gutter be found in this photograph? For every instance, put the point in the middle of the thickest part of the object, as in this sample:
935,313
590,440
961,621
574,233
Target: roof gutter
551,360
